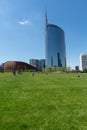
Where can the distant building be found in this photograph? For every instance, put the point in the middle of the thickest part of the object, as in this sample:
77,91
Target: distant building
38,63
42,61
76,68
2,67
83,61
35,62
55,46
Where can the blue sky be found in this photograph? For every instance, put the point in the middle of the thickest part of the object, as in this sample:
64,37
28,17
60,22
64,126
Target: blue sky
22,28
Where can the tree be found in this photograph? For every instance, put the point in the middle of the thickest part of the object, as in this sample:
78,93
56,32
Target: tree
68,68
85,70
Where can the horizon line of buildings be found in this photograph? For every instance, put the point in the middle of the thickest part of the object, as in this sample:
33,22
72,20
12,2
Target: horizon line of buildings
55,49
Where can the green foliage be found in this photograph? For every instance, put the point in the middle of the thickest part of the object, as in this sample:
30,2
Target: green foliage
55,68
85,70
48,69
57,101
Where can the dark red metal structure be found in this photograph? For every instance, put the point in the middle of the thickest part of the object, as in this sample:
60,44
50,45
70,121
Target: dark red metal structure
18,66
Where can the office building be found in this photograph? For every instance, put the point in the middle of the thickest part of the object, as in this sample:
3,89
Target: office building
42,62
38,63
55,46
76,68
83,61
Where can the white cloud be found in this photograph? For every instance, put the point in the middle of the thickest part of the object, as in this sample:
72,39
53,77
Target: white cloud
24,22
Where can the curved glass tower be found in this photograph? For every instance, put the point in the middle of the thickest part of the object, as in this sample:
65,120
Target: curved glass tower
55,46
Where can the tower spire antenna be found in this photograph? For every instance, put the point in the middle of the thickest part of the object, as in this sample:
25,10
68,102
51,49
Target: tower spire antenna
46,17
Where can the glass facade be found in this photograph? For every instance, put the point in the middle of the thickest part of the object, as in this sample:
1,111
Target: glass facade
55,46
38,63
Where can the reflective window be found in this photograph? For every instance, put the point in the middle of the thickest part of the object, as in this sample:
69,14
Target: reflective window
55,46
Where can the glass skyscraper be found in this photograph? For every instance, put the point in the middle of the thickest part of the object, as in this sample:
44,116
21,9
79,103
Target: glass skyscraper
55,46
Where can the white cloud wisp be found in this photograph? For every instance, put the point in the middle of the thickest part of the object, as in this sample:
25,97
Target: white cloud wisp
25,22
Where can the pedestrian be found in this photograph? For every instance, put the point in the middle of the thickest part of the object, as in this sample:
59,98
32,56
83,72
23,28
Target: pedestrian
32,73
14,72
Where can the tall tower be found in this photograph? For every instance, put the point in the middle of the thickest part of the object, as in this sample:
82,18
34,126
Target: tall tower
55,45
46,21
83,61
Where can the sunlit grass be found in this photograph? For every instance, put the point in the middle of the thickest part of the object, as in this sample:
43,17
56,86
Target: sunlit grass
53,101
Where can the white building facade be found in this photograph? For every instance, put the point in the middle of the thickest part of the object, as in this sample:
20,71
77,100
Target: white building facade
83,61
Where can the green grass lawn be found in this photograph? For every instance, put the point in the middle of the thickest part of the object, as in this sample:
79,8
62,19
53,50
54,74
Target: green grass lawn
55,101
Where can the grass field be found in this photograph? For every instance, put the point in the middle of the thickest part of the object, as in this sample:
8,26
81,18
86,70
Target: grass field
54,101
